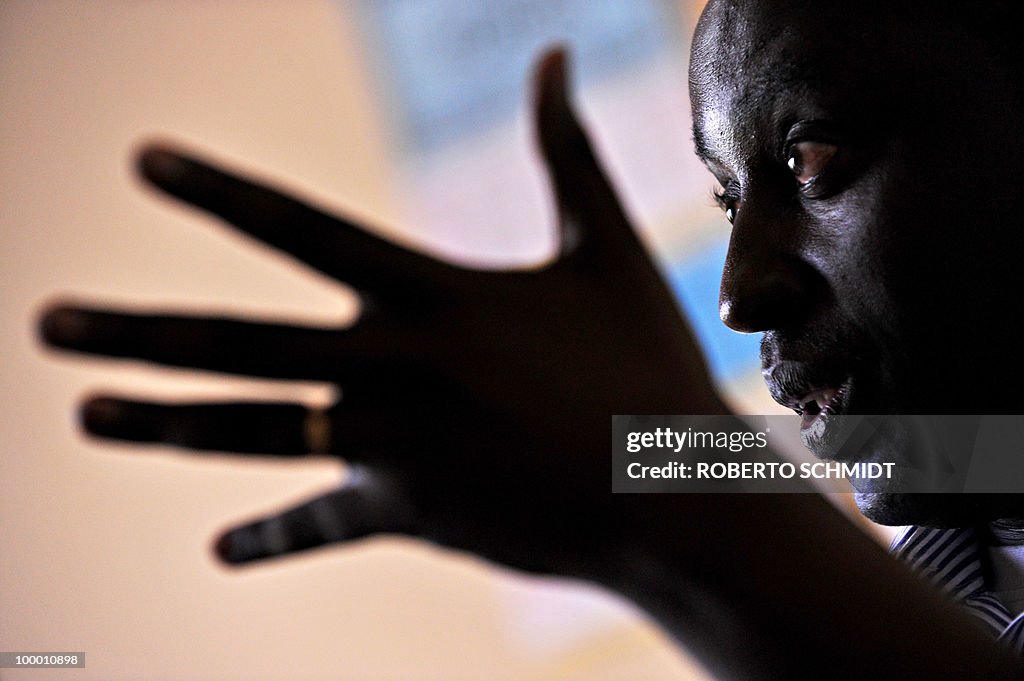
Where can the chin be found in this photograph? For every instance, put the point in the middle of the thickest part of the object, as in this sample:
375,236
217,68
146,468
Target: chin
939,510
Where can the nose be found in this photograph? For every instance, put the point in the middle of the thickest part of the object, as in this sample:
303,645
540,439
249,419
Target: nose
766,283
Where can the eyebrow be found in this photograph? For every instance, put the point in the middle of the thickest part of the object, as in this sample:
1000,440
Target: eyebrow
705,150
782,83
700,144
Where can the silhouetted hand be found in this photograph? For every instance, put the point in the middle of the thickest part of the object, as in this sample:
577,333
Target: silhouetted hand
476,404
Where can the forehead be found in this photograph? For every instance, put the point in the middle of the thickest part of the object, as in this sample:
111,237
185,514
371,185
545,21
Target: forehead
758,66
756,63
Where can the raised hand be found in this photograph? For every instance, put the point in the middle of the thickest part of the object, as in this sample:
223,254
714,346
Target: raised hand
476,405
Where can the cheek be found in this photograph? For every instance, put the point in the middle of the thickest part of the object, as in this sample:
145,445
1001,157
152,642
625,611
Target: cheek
942,263
850,244
876,261
939,279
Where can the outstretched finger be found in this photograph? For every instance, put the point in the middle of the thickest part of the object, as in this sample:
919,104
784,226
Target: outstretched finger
274,428
337,247
364,506
590,214
226,345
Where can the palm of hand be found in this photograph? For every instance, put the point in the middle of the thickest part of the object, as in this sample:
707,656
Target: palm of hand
475,405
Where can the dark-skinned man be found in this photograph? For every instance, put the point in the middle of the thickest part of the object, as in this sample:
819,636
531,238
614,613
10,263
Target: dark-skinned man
863,150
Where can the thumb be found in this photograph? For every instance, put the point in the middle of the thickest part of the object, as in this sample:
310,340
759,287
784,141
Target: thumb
590,214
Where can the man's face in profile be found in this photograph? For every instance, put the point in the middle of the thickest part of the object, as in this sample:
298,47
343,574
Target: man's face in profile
867,157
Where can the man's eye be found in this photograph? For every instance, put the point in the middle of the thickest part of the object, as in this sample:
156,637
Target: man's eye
808,159
727,199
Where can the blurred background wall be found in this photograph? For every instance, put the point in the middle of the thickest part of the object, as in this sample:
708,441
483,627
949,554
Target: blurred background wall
408,113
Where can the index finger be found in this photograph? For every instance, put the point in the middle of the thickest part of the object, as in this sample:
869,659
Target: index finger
335,246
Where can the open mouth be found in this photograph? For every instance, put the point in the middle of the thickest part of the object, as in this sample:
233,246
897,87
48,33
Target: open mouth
810,392
819,410
818,404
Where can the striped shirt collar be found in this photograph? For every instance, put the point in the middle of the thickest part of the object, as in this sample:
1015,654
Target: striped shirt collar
955,561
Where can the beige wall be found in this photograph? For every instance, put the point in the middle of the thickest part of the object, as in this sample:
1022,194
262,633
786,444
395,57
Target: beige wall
105,549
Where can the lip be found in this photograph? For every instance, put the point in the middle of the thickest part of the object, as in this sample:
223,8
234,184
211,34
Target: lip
818,394
822,403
